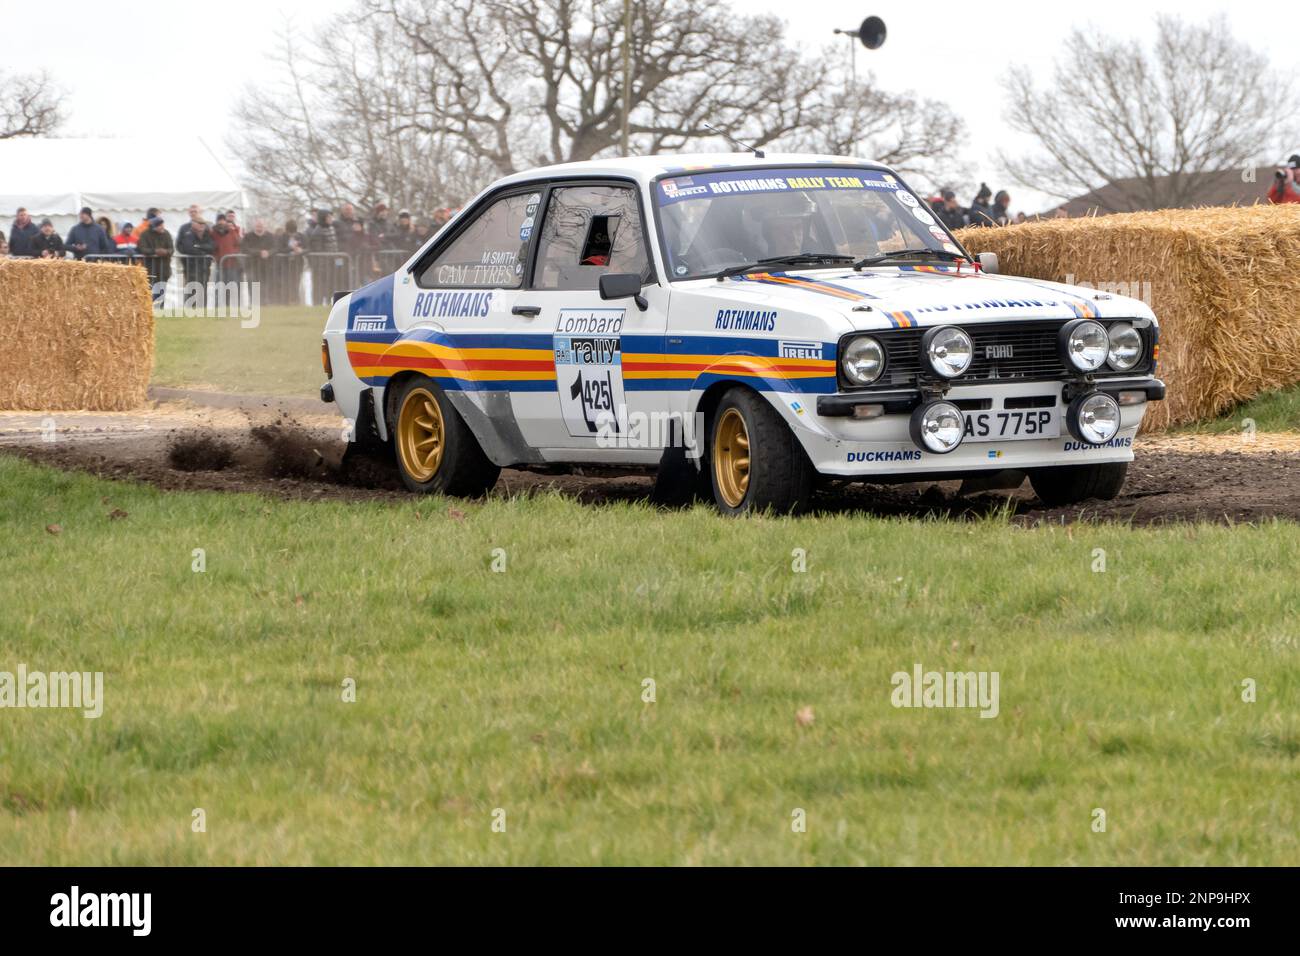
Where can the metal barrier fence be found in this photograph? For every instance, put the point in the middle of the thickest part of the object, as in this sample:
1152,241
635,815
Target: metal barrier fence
277,278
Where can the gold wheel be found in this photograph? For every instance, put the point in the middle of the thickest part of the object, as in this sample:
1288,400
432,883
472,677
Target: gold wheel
731,457
420,434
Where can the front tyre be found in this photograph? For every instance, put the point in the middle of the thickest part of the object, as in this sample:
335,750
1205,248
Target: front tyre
755,461
435,450
1070,484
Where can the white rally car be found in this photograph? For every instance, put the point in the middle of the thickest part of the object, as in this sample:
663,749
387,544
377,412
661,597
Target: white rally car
743,324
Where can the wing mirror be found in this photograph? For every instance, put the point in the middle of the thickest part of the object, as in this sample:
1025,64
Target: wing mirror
623,285
989,262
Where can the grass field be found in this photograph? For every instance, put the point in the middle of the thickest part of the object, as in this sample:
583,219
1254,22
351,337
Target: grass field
522,690
278,356
1277,411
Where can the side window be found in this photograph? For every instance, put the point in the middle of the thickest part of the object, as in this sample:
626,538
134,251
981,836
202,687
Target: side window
589,231
490,252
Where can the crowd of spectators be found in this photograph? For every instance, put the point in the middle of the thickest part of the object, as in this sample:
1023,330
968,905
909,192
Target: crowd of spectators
348,233
986,209
223,251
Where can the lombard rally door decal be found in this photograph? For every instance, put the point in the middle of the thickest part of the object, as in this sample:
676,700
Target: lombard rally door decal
589,369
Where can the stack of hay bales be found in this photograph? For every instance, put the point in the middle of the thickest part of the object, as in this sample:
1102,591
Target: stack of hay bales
76,335
1224,283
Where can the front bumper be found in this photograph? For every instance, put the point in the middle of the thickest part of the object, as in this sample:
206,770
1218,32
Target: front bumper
903,401
841,441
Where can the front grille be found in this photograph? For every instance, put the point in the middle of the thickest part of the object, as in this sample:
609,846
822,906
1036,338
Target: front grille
1033,354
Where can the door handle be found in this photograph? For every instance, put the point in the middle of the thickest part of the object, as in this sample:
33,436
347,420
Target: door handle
529,310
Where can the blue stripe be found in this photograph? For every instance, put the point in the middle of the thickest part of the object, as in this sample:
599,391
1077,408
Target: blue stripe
719,346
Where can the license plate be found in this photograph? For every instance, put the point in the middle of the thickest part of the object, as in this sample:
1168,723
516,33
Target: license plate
1018,425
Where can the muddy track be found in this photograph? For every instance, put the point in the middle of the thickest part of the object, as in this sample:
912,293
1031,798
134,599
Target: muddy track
271,451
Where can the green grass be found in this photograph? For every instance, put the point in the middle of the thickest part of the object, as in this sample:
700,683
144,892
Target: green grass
278,356
1277,411
522,690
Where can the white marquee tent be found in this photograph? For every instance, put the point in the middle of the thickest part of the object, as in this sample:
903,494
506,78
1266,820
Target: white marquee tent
118,178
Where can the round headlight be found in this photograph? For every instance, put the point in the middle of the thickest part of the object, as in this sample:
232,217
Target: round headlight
1093,418
948,350
863,360
938,427
1125,347
1085,344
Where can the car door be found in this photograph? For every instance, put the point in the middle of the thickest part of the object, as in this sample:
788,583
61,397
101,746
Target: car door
587,230
462,297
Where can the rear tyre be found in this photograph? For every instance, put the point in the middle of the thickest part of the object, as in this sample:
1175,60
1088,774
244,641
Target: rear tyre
755,461
1070,484
435,450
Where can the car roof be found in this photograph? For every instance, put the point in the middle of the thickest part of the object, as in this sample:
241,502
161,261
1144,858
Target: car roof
646,168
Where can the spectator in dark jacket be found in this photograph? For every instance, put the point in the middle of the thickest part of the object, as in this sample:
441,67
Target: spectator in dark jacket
364,248
323,237
286,289
107,225
980,212
259,247
87,237
156,247
345,227
47,244
195,213
327,271
197,249
949,212
22,234
423,230
403,237
150,214
381,228
1002,208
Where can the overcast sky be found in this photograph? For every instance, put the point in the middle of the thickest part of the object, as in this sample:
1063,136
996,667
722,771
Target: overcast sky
202,54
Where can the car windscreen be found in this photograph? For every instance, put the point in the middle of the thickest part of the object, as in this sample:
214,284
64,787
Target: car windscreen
716,219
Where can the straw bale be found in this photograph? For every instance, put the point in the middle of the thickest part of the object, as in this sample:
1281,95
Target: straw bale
1223,282
76,335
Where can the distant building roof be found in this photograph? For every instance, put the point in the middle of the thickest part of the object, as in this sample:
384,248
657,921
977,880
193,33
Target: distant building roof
1224,187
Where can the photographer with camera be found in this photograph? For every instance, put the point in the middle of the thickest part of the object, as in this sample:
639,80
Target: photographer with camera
1285,188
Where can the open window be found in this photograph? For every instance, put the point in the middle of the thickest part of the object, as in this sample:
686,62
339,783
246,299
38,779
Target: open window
590,231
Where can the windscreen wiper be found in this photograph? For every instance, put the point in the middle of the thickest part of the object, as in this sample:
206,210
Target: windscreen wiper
795,259
910,254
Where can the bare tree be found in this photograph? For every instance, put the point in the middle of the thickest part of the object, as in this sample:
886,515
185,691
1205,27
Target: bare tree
334,123
1152,125
29,105
399,97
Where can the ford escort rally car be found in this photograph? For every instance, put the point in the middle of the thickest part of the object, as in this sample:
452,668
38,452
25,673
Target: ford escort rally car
743,325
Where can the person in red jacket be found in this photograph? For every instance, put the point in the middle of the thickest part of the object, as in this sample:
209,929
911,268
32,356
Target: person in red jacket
228,238
1285,188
